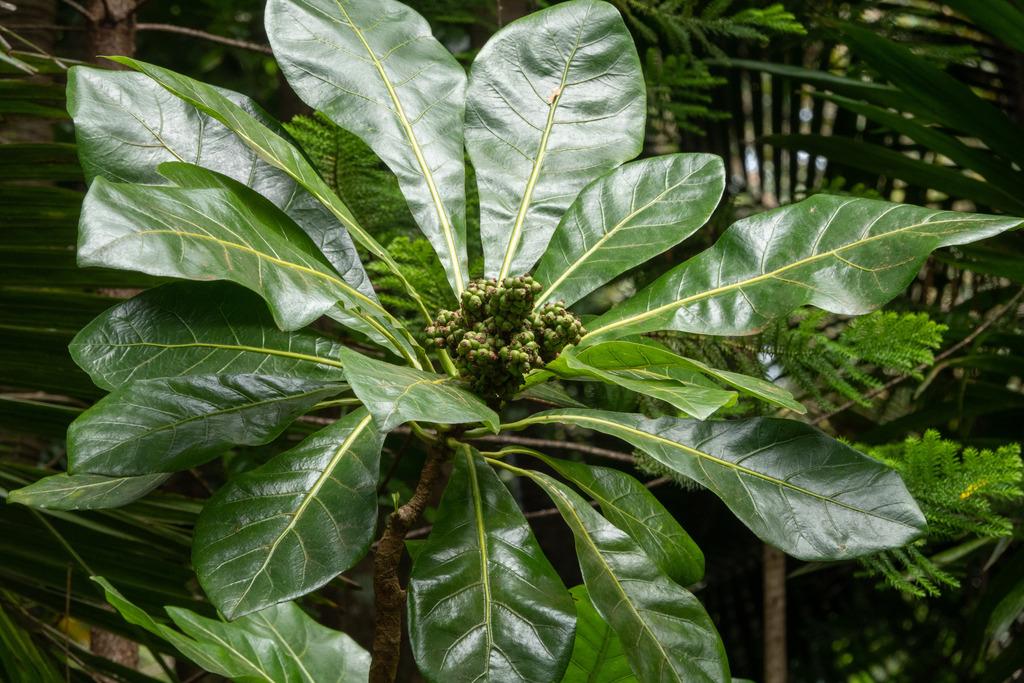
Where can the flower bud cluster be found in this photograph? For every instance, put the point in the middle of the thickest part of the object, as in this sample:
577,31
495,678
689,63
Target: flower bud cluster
496,337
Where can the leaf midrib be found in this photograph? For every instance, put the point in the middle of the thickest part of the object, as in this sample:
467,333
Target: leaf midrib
446,227
531,183
678,303
310,496
608,235
707,456
225,347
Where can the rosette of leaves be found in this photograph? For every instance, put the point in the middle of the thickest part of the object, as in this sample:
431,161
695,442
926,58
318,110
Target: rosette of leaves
196,183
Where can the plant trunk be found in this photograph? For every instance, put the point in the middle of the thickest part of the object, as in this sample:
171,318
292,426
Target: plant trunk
389,596
775,660
112,30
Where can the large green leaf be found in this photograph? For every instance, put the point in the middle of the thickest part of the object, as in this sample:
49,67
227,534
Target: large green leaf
375,69
288,527
85,491
271,148
624,218
648,359
484,602
794,486
680,386
207,234
842,254
170,424
629,505
126,125
394,394
191,328
555,100
670,637
597,655
281,644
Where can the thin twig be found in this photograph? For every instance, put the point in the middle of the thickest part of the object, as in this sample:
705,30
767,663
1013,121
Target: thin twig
84,12
563,445
203,35
45,27
924,366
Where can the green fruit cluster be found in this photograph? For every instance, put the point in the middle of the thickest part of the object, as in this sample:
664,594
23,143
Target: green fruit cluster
497,337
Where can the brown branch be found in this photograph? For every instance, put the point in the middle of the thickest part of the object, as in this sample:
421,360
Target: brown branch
389,596
563,445
203,35
924,366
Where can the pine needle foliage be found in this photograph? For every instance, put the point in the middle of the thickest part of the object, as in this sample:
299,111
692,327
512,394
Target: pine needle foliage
419,264
896,343
357,176
959,491
675,35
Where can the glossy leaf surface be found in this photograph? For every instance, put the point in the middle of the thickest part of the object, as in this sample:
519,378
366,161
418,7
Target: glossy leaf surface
281,644
288,527
629,505
670,637
375,69
842,254
647,359
190,328
680,386
484,602
394,394
85,491
791,484
209,234
597,655
171,424
270,147
555,100
126,125
626,217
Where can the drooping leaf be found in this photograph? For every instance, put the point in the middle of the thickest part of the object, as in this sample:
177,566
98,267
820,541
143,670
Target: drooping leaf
207,234
995,171
939,91
654,360
685,388
845,255
798,489
669,635
126,125
629,505
394,394
170,424
288,527
375,69
882,160
555,100
188,328
271,148
281,644
624,218
597,655
85,491
484,602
